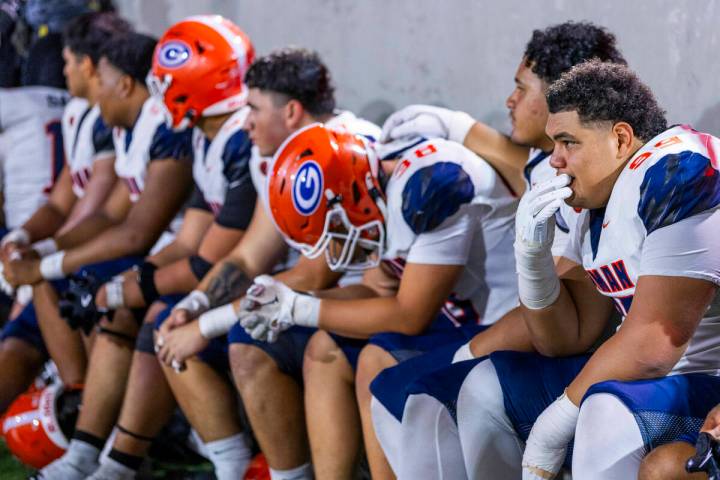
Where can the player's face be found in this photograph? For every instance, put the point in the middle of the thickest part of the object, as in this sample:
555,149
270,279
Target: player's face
589,154
109,98
266,122
528,109
76,82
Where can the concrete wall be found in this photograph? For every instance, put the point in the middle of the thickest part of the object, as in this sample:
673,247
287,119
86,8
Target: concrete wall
463,53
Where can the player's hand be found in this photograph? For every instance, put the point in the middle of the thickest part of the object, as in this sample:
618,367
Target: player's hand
22,272
189,308
13,242
427,121
535,217
101,297
180,344
712,423
547,444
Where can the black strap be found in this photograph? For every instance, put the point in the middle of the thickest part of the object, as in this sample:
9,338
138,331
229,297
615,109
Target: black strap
123,336
199,266
133,434
146,279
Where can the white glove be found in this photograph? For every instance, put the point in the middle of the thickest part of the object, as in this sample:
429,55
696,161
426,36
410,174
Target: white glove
18,235
270,307
547,444
195,302
427,121
5,287
538,284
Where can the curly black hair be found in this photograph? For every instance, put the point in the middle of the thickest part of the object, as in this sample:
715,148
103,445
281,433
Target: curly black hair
553,51
86,34
298,74
131,53
607,92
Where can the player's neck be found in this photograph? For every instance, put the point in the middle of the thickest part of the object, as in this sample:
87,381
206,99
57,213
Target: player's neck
210,126
134,106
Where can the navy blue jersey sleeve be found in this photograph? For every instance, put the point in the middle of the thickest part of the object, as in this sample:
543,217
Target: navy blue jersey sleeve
167,143
678,186
434,193
197,200
239,204
102,137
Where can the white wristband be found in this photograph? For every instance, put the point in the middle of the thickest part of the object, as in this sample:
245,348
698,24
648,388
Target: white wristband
196,302
17,235
463,353
114,293
538,283
217,321
45,247
306,311
459,126
51,267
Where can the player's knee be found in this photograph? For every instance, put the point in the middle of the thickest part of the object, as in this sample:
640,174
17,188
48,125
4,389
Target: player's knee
322,354
250,365
667,462
371,362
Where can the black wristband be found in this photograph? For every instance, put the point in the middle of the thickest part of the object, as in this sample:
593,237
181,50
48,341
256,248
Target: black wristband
199,266
146,279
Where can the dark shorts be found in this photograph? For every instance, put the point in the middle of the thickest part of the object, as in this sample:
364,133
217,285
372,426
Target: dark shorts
25,326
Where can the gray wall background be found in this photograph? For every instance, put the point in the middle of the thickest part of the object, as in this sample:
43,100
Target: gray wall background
385,54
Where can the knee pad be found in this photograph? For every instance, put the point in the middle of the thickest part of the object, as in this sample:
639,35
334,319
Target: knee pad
145,342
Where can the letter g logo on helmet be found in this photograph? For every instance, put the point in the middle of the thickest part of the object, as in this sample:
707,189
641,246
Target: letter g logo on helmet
173,54
307,188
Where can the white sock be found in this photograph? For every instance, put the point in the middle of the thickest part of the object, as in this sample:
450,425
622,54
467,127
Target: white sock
230,456
111,469
80,460
303,472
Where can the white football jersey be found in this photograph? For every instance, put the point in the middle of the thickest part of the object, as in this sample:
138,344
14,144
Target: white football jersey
221,172
447,206
86,139
149,139
662,218
31,148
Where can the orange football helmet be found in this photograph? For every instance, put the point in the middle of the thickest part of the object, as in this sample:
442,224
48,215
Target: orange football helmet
324,196
38,424
198,68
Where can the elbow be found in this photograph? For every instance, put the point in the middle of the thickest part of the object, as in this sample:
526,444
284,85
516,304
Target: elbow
413,325
137,242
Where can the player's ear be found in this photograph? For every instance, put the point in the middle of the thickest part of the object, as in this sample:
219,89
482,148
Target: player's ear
294,114
87,67
625,135
126,85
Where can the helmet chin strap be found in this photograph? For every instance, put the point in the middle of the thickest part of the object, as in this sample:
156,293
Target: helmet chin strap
376,195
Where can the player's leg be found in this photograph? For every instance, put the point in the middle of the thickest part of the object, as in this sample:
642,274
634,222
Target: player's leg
65,345
269,378
498,403
633,418
373,360
429,440
668,463
20,362
102,397
147,406
209,402
331,411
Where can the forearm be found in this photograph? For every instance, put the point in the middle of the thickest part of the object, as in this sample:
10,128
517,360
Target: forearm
85,230
499,151
508,333
44,223
116,242
554,330
170,254
175,278
364,317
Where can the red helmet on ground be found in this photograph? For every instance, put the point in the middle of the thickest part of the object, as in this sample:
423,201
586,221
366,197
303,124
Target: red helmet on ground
198,68
325,197
39,423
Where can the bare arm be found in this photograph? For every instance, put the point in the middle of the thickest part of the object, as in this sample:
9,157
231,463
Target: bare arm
421,293
48,219
97,191
575,320
654,335
167,184
113,212
498,150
